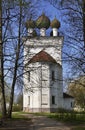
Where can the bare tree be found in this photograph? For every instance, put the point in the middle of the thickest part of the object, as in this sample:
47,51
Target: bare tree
11,47
17,68
1,67
16,63
73,16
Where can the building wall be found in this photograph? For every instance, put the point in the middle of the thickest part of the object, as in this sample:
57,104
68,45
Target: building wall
52,45
37,88
41,88
68,103
56,86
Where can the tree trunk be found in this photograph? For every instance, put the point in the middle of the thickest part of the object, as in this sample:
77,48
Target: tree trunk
3,103
16,65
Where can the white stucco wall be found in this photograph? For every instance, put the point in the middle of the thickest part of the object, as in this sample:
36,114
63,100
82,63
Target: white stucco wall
52,45
41,88
45,86
57,85
37,86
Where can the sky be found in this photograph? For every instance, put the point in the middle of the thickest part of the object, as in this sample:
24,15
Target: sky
49,10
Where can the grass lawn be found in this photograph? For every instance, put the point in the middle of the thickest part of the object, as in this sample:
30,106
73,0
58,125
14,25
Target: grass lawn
19,115
74,118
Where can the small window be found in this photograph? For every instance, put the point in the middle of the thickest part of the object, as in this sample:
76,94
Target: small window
53,75
28,100
71,104
53,99
29,76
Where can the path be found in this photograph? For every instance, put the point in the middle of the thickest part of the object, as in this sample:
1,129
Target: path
44,123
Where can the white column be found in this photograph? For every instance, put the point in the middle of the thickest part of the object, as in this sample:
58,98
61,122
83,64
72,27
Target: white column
43,32
55,32
30,31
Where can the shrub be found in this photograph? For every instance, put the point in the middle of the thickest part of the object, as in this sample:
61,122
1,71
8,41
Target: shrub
62,110
16,107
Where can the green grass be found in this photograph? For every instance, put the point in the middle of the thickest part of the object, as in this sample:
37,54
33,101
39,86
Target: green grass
42,114
20,115
72,118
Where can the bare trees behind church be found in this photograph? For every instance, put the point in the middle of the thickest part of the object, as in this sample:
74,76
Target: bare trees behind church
73,17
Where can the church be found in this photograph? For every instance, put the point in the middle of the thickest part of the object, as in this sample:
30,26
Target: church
43,73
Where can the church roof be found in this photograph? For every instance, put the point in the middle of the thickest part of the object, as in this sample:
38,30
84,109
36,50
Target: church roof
65,95
42,56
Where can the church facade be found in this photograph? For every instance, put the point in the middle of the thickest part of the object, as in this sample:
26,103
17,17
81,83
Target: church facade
43,78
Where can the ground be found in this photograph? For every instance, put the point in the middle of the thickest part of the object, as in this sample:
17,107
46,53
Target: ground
34,123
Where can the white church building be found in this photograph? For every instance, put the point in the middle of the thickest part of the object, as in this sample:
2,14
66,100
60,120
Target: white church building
43,79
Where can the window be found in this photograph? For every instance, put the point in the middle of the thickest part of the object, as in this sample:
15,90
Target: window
71,104
29,76
53,75
28,100
53,99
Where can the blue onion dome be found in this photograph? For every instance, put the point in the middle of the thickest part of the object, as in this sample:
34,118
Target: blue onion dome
43,22
30,24
55,23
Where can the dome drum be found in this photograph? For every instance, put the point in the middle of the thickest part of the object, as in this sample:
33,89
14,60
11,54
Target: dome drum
43,32
30,31
55,32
